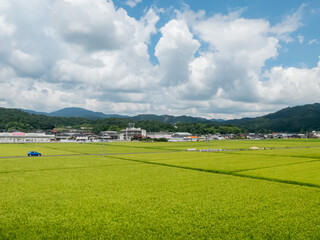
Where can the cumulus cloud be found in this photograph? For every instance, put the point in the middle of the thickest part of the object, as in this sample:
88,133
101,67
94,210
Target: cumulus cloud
84,52
232,69
240,48
92,54
175,50
296,85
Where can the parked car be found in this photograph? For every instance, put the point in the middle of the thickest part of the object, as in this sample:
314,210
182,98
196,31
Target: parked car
33,153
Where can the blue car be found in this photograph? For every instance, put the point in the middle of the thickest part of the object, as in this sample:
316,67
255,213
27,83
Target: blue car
33,153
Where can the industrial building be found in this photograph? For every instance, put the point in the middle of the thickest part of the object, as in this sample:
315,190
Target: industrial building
21,137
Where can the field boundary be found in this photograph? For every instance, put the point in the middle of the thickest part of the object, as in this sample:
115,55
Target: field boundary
281,165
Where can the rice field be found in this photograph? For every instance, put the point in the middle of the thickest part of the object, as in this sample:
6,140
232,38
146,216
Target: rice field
161,191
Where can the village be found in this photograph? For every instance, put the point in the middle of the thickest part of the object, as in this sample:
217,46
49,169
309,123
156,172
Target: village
135,134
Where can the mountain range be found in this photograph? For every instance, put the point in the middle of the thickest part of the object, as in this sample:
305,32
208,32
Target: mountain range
84,113
76,112
291,119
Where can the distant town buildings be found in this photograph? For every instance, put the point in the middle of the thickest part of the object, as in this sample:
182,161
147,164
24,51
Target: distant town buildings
132,134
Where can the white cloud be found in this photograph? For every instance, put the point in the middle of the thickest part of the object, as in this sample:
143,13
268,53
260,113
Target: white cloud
289,24
6,29
83,52
300,38
133,3
239,48
25,63
294,85
313,41
175,50
93,26
231,70
91,54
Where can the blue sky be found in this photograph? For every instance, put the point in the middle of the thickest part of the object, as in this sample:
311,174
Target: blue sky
214,59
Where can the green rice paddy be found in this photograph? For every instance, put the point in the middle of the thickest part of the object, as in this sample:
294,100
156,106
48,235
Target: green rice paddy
161,191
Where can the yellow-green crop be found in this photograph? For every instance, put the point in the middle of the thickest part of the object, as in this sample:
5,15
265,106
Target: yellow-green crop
263,194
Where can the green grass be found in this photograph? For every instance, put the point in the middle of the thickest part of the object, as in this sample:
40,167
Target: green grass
33,164
168,195
304,172
305,152
215,161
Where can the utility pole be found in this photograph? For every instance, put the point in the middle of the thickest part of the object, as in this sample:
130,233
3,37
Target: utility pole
103,146
103,140
208,141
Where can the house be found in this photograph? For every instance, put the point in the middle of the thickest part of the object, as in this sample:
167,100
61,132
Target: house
192,138
109,135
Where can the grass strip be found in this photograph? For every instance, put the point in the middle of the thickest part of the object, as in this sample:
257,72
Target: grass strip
281,165
234,152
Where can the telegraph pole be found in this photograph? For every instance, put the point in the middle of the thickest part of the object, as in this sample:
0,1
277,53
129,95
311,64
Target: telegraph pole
208,141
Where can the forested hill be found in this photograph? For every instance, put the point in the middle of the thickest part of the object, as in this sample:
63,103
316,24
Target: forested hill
17,119
84,113
14,119
76,112
292,119
170,119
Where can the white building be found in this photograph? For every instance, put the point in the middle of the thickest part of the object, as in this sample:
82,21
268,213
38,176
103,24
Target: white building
128,133
166,135
21,137
181,135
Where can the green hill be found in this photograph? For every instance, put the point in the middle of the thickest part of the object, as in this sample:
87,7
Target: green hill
170,119
291,119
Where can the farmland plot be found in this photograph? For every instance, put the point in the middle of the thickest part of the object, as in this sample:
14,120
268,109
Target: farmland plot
184,195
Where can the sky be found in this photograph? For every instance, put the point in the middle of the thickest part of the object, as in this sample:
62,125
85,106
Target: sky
215,59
